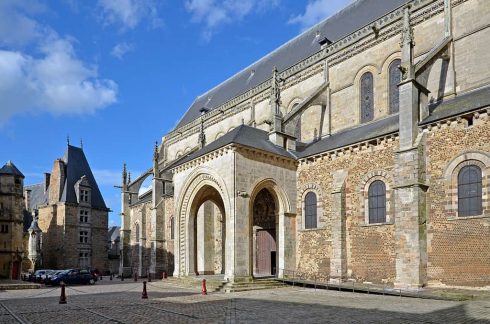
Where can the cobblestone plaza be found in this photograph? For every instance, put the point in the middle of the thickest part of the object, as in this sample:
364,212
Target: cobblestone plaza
120,302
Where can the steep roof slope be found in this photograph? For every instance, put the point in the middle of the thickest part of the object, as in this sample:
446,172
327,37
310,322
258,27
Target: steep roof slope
113,233
76,167
353,17
243,135
10,169
353,135
38,196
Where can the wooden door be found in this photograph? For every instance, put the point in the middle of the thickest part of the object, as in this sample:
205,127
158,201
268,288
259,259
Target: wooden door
15,270
266,248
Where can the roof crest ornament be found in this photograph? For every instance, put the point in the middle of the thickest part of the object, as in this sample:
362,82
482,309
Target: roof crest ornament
124,175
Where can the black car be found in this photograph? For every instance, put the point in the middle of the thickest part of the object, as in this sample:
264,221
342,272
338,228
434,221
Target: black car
73,277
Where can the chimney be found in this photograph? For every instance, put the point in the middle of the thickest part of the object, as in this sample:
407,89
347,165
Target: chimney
27,196
47,179
56,181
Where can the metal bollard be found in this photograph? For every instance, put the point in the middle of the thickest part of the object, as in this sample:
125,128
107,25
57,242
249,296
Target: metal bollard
122,276
110,277
149,276
165,275
204,291
144,295
135,277
62,296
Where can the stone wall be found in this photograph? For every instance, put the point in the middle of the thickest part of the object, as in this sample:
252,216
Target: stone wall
140,237
458,249
11,216
370,248
61,244
169,241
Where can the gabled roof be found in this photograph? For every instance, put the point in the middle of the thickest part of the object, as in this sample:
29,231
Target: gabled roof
76,167
243,135
10,169
353,17
354,135
113,233
38,196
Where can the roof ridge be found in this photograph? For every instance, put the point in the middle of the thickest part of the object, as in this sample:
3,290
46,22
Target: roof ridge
276,49
33,185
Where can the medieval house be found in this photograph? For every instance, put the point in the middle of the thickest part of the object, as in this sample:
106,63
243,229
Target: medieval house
70,222
358,150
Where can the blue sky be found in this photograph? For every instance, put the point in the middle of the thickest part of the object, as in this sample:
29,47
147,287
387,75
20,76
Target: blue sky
119,74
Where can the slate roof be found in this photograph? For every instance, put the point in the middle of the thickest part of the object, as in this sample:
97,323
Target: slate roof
113,233
38,196
354,135
34,226
10,169
458,105
348,20
243,135
76,167
27,220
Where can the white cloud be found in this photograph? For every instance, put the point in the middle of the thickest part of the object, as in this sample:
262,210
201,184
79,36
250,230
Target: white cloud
317,10
121,49
214,13
53,80
129,13
16,27
106,177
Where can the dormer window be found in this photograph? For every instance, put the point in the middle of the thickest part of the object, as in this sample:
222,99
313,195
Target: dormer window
83,191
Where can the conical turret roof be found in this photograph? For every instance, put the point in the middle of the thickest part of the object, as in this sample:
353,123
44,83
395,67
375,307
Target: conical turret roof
10,169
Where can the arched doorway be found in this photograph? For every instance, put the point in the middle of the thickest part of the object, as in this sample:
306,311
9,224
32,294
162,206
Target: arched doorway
265,218
207,233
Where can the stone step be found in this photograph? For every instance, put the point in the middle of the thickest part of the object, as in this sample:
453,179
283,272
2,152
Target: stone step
245,284
217,284
252,287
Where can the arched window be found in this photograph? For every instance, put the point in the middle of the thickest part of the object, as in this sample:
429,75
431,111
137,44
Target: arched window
310,210
172,228
470,191
395,77
367,97
377,202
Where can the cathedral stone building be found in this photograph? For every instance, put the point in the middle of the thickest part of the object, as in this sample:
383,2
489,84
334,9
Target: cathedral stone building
359,150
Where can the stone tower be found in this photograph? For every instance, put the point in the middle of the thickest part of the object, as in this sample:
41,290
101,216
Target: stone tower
11,221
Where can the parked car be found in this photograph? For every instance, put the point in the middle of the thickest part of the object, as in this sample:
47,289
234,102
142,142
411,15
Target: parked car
73,277
40,275
51,275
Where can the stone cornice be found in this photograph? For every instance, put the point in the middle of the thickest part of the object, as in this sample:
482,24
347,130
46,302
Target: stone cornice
203,159
350,149
457,120
232,148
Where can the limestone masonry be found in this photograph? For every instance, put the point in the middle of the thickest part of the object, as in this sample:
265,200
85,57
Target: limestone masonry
359,150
